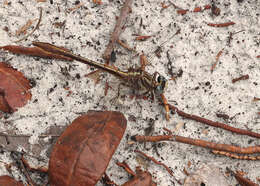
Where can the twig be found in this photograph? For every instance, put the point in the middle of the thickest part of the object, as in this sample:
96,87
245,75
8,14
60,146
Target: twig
25,136
231,36
164,6
107,86
126,168
235,156
214,123
36,27
256,99
142,38
123,44
167,130
76,7
200,143
197,9
24,28
39,169
221,24
241,180
17,156
182,12
244,77
118,29
155,161
27,174
217,59
206,7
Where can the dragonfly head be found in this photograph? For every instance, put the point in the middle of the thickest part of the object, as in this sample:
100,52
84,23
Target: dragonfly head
160,83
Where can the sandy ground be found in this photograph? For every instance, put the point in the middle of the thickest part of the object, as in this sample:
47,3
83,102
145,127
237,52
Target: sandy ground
86,31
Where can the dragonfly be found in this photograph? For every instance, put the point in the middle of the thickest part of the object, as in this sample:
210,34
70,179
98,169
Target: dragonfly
136,78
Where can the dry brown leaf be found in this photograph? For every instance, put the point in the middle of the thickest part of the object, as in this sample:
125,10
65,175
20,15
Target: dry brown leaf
82,153
4,106
14,86
9,181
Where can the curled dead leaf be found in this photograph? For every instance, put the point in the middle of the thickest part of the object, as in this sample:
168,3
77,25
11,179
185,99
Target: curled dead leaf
34,51
14,89
82,153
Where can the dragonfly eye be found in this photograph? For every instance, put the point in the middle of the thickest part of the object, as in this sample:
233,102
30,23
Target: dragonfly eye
159,79
162,84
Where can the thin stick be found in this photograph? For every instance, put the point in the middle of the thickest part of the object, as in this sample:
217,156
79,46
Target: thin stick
27,174
200,143
155,161
125,45
126,9
214,123
241,180
39,169
36,27
17,157
126,168
221,24
244,77
235,156
216,62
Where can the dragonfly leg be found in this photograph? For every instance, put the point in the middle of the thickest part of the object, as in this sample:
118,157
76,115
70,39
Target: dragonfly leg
166,107
116,98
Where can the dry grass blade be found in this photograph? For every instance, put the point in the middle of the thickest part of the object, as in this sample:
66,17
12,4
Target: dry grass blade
36,27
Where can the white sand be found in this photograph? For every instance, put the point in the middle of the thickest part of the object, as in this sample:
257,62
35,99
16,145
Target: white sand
194,51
